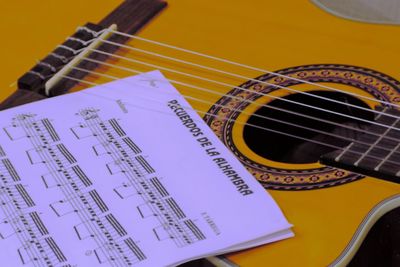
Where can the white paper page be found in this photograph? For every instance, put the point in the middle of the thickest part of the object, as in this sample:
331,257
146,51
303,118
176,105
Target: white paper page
123,175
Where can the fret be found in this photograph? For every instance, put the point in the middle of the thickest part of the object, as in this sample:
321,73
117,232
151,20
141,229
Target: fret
396,149
353,152
381,113
381,158
393,124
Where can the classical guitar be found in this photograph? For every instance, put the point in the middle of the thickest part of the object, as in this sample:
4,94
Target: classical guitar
311,109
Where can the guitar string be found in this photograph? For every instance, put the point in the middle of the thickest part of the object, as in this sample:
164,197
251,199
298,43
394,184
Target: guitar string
268,106
224,119
241,88
293,136
326,133
241,65
258,93
267,95
233,97
238,75
113,78
310,129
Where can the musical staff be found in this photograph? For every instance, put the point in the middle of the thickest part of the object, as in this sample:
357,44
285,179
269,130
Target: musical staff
127,158
25,196
2,153
79,198
19,220
83,186
9,169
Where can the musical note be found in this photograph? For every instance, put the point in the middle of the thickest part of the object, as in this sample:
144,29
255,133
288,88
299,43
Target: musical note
141,178
90,188
21,221
65,174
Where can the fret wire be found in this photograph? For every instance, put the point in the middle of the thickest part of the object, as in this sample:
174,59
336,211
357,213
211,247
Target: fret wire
375,143
394,150
347,148
380,114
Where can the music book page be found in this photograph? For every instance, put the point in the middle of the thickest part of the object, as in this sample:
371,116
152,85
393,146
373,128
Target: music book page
124,174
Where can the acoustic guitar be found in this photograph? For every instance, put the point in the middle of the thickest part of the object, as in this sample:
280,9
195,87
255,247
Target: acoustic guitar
306,100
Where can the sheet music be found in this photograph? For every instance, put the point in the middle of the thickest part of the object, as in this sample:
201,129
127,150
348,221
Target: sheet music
123,174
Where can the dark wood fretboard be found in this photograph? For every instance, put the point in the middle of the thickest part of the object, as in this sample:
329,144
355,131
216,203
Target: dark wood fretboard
376,152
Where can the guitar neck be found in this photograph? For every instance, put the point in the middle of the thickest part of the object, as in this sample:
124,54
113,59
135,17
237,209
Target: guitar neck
376,152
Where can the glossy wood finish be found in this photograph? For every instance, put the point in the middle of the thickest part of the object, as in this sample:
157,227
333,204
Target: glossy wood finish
268,34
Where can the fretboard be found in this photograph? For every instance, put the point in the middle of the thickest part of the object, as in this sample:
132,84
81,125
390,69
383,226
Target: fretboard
376,152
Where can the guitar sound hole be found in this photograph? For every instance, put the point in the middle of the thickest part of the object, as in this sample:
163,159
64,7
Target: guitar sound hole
283,148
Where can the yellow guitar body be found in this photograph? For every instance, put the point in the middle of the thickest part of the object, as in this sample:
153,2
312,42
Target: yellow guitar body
271,35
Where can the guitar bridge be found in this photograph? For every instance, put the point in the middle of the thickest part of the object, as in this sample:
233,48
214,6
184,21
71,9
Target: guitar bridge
79,55
36,78
50,70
